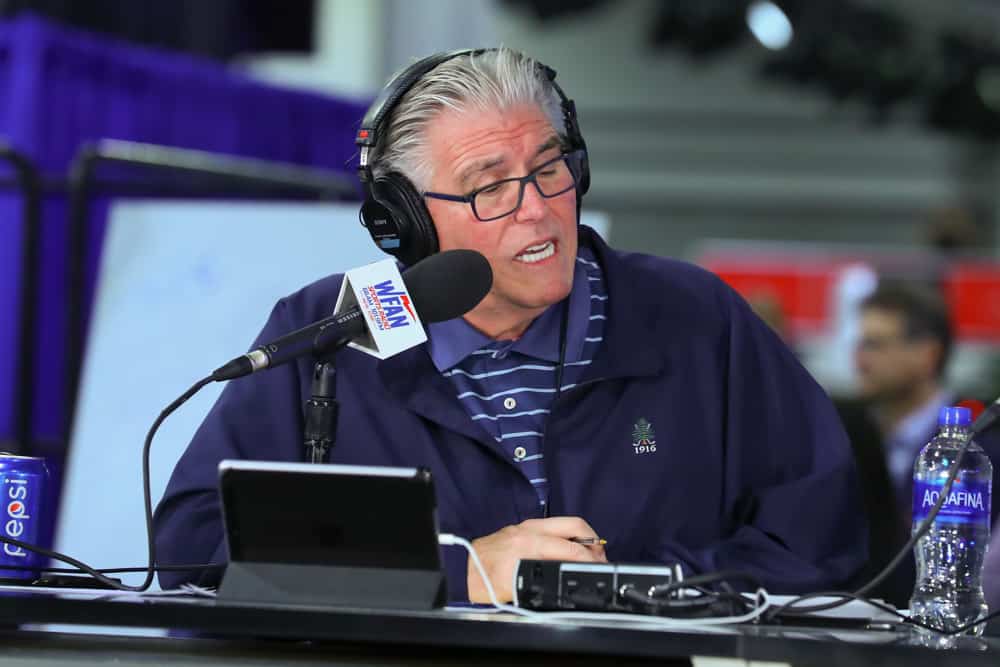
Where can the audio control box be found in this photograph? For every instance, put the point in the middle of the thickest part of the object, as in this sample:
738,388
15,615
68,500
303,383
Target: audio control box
549,585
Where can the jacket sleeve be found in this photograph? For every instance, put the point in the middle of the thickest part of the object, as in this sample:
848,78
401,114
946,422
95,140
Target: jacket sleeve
794,519
256,417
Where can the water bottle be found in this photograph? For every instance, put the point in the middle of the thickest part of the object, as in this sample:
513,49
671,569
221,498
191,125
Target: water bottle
948,592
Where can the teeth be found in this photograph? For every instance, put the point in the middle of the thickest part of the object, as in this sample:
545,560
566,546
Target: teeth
537,253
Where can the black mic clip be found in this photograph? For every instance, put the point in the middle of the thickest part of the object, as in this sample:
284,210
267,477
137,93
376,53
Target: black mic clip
321,411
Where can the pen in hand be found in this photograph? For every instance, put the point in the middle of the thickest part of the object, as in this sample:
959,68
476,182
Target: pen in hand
589,540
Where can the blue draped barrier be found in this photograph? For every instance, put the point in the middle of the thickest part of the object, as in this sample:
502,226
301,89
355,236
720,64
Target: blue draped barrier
60,88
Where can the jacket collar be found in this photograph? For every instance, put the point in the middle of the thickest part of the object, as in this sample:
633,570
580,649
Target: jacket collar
411,377
634,336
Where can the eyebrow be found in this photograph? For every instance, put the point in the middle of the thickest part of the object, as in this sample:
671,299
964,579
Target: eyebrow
478,166
552,142
489,163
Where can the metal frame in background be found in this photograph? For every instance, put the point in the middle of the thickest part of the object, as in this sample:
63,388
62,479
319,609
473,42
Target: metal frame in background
229,175
28,182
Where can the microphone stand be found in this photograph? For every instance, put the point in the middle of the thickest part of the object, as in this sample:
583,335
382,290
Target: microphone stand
321,411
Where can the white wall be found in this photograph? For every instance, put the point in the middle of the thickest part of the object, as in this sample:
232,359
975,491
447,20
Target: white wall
183,288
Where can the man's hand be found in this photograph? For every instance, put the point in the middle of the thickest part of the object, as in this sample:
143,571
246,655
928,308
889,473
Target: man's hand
544,539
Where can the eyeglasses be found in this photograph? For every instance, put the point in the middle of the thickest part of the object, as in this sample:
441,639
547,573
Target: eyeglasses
881,343
502,198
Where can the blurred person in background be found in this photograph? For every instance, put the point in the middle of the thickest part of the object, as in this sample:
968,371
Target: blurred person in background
901,360
901,357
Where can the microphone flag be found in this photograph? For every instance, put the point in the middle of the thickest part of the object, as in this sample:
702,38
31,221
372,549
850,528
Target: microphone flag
379,292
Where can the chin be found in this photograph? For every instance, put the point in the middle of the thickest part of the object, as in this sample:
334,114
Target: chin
877,395
554,294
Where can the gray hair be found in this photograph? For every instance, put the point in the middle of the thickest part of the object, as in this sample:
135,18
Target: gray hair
493,80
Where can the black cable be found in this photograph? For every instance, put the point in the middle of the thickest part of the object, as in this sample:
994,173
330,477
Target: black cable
112,570
851,597
924,526
146,494
709,603
787,610
659,596
700,602
150,568
727,592
55,555
563,326
722,577
897,559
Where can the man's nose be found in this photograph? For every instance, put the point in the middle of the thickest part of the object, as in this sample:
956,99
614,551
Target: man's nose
532,204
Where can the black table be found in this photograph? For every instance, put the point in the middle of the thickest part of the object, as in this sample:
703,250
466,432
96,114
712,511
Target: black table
233,633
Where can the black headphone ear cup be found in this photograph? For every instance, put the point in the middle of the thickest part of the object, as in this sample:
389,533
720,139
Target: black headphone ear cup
382,224
414,229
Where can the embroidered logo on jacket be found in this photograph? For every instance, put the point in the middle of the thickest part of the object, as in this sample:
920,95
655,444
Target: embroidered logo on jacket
643,437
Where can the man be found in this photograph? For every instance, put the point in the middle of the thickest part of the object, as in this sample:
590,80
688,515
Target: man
902,353
901,358
592,393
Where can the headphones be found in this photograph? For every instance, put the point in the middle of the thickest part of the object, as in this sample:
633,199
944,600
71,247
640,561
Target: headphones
394,212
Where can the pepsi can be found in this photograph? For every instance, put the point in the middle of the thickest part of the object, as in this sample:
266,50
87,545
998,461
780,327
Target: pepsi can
22,489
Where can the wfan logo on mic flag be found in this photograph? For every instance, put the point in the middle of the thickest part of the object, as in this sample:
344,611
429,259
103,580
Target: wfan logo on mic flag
390,305
391,319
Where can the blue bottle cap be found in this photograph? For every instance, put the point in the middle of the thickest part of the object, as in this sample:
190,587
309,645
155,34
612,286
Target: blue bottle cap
952,416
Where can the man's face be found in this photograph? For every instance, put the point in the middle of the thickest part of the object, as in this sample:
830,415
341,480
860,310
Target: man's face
472,150
888,364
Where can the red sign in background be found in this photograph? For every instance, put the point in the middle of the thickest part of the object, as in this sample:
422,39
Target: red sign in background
805,289
973,293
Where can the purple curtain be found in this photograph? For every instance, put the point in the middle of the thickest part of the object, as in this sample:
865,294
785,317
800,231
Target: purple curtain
59,88
10,273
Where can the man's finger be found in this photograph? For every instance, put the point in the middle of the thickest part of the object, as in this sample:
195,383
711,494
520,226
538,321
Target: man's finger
560,526
557,548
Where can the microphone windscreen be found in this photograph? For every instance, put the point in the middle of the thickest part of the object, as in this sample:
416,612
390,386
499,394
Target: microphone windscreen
448,284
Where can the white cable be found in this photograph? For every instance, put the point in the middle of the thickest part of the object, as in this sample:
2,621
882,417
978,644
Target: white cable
762,598
447,539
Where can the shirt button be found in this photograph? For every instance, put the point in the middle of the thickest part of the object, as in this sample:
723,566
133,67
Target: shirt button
520,453
509,403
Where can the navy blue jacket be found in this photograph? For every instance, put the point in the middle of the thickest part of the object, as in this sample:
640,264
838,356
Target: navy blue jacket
751,469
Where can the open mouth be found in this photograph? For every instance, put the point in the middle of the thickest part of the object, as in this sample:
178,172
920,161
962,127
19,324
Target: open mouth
537,253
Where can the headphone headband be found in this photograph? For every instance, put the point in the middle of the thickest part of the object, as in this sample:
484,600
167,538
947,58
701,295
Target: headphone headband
371,124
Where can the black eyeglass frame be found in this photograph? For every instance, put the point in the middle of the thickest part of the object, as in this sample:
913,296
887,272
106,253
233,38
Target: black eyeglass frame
574,161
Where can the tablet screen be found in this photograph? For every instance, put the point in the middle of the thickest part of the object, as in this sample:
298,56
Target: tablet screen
325,514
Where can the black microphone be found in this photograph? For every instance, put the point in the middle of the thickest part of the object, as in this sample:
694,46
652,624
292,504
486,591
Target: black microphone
442,287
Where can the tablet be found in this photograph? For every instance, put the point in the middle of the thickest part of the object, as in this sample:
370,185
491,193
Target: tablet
329,515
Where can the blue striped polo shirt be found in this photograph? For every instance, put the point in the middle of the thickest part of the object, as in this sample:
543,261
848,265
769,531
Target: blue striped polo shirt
508,386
